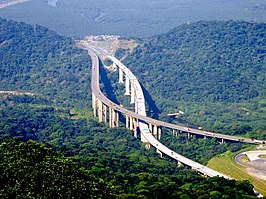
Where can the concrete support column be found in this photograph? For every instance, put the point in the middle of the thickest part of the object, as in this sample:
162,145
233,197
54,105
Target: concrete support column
135,122
117,119
132,101
158,151
104,113
159,133
94,105
100,111
120,79
110,117
147,145
188,135
175,132
127,122
150,127
222,141
155,131
114,119
127,86
130,123
179,164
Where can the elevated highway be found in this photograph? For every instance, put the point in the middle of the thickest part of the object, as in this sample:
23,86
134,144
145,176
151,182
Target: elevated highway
141,111
100,100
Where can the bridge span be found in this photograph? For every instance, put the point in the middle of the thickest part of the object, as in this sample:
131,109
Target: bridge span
102,105
137,97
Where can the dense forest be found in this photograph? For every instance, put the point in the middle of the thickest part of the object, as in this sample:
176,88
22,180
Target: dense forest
79,156
38,60
31,170
113,158
214,71
28,169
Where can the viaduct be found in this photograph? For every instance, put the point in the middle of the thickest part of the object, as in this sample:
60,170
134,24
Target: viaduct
137,121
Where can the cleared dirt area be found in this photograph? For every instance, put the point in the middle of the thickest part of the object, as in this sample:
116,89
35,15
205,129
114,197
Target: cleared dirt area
256,166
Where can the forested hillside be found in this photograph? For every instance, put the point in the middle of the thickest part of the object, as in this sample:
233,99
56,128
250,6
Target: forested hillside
117,163
214,71
99,162
35,59
31,170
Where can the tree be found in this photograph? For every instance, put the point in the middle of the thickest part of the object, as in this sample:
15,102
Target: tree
29,169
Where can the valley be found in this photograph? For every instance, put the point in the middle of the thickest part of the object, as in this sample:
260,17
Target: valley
129,18
211,72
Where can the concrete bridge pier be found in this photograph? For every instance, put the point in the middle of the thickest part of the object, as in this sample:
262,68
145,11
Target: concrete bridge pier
120,79
127,121
113,118
150,127
155,131
222,141
132,101
104,113
175,133
160,153
117,119
127,86
110,117
135,126
159,132
179,164
100,111
130,123
188,135
147,145
94,105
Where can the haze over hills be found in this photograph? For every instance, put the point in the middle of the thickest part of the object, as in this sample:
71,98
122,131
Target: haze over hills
129,18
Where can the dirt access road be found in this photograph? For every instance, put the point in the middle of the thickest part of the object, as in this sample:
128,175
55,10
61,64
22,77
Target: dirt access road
254,162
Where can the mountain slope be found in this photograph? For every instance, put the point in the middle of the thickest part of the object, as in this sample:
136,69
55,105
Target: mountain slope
35,59
31,170
214,71
38,60
205,61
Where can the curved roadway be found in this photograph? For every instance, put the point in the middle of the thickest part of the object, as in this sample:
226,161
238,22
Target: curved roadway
145,132
174,126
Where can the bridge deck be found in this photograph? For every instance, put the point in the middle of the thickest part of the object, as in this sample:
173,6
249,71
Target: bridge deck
144,120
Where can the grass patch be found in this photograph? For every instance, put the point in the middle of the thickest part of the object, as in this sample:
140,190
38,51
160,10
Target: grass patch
262,156
226,164
244,159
